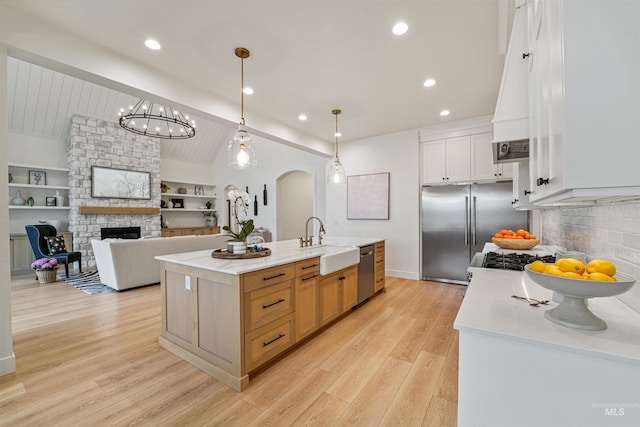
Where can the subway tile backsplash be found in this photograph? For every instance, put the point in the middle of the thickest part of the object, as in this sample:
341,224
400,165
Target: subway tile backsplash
608,232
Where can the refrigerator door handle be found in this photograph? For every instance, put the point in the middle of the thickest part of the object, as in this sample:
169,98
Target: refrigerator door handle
475,220
466,221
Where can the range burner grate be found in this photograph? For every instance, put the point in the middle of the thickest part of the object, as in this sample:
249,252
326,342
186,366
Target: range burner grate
513,261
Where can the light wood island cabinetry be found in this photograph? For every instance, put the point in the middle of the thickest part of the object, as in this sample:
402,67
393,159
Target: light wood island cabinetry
231,317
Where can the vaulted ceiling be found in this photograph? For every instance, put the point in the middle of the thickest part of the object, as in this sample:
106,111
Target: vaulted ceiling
88,56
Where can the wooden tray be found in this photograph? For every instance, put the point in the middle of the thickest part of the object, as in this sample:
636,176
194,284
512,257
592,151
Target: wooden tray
515,243
222,253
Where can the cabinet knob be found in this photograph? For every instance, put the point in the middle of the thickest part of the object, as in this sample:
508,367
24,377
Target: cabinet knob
542,181
525,55
527,192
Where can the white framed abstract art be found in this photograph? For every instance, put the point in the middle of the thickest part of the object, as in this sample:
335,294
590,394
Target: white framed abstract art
368,196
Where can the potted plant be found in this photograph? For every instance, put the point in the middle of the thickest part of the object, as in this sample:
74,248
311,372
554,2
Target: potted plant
238,242
210,218
164,187
46,269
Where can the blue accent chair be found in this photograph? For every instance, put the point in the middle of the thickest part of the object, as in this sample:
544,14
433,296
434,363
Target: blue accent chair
37,234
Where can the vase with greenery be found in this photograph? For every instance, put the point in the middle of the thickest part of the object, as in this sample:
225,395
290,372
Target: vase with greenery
164,187
238,242
46,269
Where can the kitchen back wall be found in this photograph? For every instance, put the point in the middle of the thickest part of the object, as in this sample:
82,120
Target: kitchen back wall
610,232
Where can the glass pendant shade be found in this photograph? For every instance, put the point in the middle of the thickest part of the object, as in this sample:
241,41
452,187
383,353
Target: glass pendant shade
241,151
336,173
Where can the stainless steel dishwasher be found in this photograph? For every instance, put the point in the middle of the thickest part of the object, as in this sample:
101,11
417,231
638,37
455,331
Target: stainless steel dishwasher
365,273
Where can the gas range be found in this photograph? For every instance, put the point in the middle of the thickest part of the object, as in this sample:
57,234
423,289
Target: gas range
513,261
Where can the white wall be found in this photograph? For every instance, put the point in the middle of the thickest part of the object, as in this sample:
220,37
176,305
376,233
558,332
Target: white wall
397,153
274,160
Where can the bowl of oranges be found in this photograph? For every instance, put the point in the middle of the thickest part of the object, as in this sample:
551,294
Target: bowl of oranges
576,282
509,239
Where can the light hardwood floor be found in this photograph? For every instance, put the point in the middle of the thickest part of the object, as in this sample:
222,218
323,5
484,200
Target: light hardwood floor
94,360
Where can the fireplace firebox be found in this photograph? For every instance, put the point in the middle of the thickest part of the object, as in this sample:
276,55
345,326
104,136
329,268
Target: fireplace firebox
120,233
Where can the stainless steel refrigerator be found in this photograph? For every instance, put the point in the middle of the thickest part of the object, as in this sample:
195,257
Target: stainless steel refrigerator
457,220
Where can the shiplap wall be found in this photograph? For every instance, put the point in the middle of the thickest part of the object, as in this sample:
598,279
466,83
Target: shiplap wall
41,102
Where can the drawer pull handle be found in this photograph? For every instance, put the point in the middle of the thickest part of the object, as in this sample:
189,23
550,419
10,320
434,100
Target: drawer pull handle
273,277
272,304
379,280
309,266
309,278
341,278
264,344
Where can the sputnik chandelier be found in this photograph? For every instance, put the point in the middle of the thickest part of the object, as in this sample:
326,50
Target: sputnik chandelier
157,121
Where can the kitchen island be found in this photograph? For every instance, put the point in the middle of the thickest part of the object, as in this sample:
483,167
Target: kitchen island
229,317
518,368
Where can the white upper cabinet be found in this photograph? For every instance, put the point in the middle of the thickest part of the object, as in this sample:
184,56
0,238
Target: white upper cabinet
583,101
446,160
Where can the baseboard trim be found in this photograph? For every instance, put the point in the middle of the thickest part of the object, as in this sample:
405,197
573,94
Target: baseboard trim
8,365
403,274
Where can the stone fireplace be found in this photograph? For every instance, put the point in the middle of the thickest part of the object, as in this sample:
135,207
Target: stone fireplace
95,142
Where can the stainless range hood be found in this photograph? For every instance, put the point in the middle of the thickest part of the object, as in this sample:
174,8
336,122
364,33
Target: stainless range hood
511,118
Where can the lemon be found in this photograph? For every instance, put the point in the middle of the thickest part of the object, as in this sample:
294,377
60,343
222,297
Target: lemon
537,266
552,270
600,277
570,265
601,266
572,275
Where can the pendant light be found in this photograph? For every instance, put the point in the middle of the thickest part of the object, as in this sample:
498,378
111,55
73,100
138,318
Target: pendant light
336,173
241,151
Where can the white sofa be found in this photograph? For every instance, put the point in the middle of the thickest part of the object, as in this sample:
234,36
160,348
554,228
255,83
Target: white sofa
128,263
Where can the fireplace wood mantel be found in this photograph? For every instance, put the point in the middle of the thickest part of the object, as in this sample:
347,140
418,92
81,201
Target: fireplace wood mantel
107,210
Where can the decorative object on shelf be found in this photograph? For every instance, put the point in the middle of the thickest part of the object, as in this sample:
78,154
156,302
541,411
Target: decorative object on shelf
210,218
10,178
164,187
177,203
59,199
241,150
18,200
198,190
336,173
46,269
182,190
255,205
156,120
30,201
50,201
163,204
120,184
264,195
37,177
209,204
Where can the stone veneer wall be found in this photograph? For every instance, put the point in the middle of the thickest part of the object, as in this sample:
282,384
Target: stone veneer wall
610,232
95,142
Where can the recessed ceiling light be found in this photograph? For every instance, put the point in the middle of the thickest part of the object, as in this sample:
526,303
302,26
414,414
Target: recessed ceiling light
429,83
247,90
337,134
152,44
444,113
400,28
302,117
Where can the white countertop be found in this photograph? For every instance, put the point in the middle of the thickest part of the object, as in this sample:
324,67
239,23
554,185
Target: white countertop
488,308
282,252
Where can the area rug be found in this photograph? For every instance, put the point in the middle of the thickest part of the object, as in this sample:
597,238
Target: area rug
88,282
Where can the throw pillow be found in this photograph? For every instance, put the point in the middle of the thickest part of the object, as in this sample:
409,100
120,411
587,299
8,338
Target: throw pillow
56,244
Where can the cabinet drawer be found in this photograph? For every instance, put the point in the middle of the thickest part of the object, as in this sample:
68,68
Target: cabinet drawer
267,342
268,276
267,304
307,266
379,247
378,280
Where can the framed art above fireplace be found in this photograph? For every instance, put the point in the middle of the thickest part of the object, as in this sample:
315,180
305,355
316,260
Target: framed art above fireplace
120,183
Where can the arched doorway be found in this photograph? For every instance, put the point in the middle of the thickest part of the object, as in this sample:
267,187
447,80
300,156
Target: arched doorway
295,195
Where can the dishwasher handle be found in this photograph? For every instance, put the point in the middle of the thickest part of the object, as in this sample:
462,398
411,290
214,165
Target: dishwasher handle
362,255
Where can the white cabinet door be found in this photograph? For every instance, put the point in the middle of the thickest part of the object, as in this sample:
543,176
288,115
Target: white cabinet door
434,162
458,159
482,166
